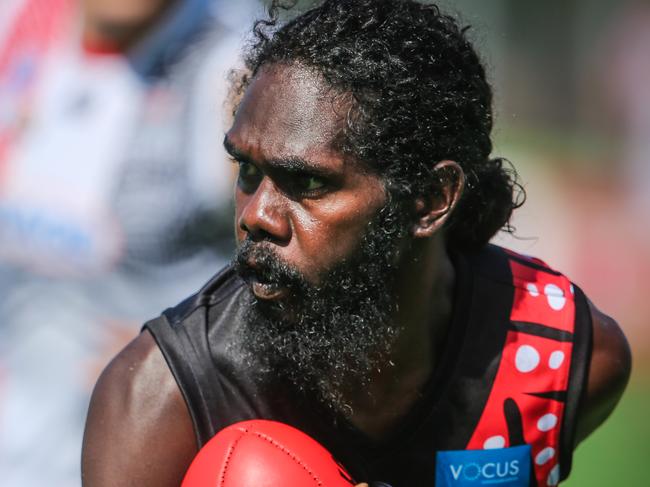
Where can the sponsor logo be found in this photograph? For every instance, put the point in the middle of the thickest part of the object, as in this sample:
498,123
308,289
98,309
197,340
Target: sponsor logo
506,466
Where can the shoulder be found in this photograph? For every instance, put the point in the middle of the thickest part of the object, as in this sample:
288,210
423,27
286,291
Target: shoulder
609,371
138,429
609,360
607,363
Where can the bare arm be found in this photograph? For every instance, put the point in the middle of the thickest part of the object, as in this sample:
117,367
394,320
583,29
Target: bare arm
138,430
609,371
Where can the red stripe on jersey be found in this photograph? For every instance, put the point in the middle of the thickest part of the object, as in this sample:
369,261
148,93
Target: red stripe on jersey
532,366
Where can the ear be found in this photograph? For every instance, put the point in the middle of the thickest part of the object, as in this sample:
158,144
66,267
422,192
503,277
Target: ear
434,209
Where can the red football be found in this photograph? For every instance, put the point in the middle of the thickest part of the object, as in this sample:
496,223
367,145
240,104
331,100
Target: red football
261,453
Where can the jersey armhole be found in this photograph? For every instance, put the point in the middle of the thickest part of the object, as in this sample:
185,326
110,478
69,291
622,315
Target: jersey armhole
176,348
578,376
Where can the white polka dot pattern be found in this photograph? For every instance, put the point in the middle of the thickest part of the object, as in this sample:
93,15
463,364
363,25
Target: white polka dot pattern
554,476
545,455
532,289
554,296
556,359
494,442
547,422
526,359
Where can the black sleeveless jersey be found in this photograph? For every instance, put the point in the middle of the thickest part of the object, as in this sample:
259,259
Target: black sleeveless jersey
512,373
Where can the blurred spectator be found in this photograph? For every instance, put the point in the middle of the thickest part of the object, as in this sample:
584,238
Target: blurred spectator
108,165
114,197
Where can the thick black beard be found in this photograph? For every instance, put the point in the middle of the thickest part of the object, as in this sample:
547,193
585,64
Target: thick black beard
327,340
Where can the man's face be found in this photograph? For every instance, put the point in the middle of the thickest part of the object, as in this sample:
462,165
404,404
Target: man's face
295,191
318,241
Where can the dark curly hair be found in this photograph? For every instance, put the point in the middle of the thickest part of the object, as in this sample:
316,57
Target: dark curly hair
419,95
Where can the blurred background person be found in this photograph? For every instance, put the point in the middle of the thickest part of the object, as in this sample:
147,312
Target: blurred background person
107,129
114,197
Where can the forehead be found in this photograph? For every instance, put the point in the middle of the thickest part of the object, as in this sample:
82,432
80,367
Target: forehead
286,111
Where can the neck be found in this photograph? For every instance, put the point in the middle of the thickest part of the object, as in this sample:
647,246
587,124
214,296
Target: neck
425,287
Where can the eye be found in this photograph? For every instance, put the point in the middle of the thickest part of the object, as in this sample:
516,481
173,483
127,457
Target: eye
304,186
311,183
249,177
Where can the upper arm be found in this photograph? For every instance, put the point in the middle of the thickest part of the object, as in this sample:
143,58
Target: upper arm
138,430
609,371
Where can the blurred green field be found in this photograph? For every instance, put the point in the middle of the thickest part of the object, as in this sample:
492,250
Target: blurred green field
618,454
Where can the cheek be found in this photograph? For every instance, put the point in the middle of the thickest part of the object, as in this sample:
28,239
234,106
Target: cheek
333,232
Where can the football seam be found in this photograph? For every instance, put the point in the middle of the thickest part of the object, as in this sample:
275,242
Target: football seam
292,455
231,450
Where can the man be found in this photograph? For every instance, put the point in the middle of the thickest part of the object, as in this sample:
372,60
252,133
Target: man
365,306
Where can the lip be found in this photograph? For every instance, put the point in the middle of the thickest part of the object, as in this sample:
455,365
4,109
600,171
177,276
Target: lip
269,292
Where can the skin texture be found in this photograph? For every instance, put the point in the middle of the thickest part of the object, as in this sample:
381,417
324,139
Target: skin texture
609,372
139,431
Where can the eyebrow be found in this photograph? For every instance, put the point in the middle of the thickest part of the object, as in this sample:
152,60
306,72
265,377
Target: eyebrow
292,164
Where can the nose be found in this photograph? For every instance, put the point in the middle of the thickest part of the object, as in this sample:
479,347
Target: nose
263,214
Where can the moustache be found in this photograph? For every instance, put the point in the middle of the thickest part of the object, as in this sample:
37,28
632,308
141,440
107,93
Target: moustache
257,262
